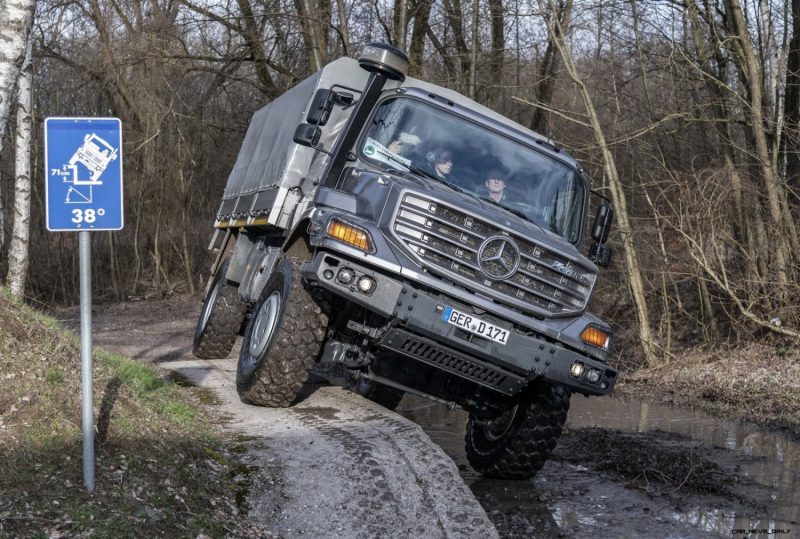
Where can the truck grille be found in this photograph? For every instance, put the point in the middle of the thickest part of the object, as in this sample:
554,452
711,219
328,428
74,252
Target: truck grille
480,255
432,353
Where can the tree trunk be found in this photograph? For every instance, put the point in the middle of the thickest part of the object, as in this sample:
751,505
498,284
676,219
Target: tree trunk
498,51
473,61
455,17
780,222
344,31
417,48
2,221
547,72
791,106
632,265
20,236
400,24
315,20
16,17
251,34
747,224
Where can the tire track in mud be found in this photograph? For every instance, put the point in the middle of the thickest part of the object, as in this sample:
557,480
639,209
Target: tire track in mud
380,446
372,477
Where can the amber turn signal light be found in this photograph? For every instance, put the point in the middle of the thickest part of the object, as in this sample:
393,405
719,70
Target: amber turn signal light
351,235
596,337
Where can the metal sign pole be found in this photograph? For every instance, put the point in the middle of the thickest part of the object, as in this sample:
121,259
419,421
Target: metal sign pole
87,387
83,193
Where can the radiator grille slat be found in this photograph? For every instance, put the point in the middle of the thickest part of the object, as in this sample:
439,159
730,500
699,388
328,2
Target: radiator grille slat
446,240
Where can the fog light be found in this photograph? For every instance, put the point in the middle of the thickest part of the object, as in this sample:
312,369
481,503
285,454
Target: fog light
346,276
577,369
603,385
328,274
366,284
593,376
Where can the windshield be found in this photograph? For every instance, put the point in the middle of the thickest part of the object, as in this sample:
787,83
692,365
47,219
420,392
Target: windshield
411,135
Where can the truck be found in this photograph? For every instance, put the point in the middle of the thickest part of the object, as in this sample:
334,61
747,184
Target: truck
362,238
95,154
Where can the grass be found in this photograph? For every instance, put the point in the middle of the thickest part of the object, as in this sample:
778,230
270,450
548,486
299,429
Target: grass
161,468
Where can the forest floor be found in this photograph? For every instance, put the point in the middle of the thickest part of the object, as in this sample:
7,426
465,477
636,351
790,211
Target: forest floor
622,480
162,467
756,383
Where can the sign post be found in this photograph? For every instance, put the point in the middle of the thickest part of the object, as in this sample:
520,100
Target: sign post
83,186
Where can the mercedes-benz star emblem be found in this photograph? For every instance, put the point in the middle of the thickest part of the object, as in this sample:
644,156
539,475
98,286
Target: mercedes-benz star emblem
498,257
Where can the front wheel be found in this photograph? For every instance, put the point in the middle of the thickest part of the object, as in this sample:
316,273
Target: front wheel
220,319
517,443
282,340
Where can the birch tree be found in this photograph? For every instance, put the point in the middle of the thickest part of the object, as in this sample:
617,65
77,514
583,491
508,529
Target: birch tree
16,17
18,251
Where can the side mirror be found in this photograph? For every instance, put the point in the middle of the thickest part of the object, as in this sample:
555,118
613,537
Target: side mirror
319,112
602,222
307,135
601,253
321,106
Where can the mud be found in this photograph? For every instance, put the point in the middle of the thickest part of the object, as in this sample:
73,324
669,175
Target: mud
633,469
622,469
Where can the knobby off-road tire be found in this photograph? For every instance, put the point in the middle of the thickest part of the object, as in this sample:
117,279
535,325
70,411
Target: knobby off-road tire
518,443
220,319
282,341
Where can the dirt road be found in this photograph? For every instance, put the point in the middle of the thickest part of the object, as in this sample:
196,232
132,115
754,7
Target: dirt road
338,465
335,465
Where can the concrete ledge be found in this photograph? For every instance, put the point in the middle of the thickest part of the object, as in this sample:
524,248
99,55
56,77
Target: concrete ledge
338,465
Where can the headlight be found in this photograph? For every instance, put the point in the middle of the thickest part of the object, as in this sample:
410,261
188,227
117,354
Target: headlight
351,235
596,337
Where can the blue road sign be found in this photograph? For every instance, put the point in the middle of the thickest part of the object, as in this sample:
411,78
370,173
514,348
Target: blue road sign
83,167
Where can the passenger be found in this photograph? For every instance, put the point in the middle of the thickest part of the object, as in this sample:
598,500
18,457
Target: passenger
443,163
404,144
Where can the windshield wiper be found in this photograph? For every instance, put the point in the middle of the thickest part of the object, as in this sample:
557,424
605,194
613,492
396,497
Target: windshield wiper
518,213
418,171
426,174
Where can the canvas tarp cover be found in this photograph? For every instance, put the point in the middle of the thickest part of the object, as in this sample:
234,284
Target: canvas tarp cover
269,159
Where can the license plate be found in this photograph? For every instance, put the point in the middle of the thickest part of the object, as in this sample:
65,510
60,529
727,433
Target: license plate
475,325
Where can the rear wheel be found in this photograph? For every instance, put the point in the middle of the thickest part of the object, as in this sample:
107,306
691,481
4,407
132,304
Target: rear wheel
220,319
282,341
517,443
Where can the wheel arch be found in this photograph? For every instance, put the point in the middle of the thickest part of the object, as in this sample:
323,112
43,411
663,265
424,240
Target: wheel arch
298,243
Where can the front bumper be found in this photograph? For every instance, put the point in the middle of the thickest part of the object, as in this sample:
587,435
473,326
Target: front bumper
421,334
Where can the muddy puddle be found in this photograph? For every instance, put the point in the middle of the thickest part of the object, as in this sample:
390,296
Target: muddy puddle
633,469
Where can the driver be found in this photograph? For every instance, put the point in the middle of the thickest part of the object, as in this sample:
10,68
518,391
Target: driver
495,185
